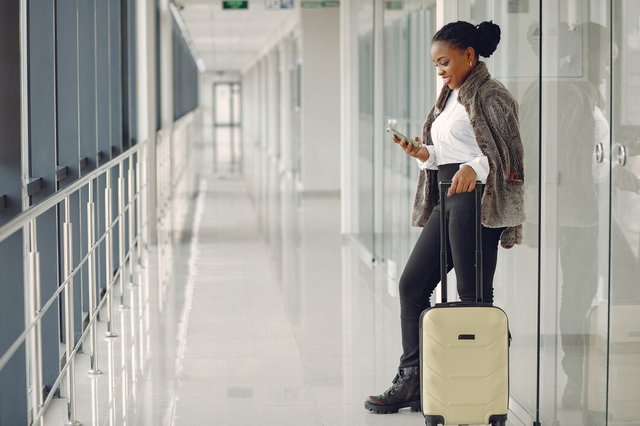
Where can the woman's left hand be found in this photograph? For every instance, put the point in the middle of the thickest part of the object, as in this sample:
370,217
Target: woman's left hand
463,181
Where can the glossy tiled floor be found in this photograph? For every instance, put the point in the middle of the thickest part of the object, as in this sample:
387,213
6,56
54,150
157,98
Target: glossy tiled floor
249,319
273,336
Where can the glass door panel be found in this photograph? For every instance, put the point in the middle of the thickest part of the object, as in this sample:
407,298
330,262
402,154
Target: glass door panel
227,124
296,112
365,177
516,64
624,328
409,94
575,204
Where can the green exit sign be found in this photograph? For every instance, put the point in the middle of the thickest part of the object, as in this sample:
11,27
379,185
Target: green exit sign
318,4
394,4
235,4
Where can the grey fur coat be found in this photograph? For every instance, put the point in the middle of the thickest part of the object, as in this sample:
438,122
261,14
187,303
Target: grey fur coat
493,113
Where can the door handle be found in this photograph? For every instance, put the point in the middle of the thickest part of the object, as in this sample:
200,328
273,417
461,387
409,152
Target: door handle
621,154
599,151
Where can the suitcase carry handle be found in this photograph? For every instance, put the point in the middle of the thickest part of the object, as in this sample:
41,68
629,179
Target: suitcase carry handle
444,185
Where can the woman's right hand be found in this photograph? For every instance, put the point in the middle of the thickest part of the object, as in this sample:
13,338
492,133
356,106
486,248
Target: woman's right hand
420,153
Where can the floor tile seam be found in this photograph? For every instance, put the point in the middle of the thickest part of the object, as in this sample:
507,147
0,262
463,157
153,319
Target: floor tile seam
200,205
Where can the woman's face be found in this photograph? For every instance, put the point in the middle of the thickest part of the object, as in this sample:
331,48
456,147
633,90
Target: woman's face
452,63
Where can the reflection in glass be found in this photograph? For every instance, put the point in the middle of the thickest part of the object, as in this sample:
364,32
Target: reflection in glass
409,93
516,65
624,335
365,126
575,125
293,49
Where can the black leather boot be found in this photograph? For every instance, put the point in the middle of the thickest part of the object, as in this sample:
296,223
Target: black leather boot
404,392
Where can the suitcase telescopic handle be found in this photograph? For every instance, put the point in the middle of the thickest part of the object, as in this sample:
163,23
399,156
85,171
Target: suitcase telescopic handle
444,186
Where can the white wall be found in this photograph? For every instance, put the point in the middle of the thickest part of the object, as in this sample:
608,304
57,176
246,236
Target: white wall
321,99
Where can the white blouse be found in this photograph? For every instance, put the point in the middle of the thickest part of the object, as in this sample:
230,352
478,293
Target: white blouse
454,141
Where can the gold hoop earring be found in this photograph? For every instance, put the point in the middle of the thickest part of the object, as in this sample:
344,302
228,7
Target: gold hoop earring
470,64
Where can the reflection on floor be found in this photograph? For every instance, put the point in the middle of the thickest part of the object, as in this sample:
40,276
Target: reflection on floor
267,318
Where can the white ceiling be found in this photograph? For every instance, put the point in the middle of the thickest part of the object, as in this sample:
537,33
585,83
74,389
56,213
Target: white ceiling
227,40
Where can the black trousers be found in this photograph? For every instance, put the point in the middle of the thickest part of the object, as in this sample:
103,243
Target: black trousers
421,274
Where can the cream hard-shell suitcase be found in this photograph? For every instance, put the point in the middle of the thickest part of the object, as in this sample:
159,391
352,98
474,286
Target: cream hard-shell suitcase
464,351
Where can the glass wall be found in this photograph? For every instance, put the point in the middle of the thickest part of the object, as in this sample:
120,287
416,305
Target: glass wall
77,74
271,127
624,311
571,290
295,91
409,93
575,120
395,86
365,129
13,380
185,74
516,64
80,91
57,151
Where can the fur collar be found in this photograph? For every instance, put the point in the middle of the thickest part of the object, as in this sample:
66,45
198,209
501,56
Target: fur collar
493,114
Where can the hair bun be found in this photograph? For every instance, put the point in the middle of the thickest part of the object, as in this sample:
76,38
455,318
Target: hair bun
488,38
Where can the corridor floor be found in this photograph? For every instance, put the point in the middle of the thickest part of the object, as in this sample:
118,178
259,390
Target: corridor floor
252,317
278,320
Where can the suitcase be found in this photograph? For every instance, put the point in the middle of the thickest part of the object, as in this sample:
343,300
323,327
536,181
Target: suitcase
464,350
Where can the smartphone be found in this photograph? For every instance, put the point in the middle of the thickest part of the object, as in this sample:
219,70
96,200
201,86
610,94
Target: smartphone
401,136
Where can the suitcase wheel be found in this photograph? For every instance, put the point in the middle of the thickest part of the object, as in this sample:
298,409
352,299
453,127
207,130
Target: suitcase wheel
500,421
433,420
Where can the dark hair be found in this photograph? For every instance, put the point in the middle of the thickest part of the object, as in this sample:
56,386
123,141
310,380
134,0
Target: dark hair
484,38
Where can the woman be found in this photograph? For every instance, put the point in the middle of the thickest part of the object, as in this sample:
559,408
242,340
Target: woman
471,134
